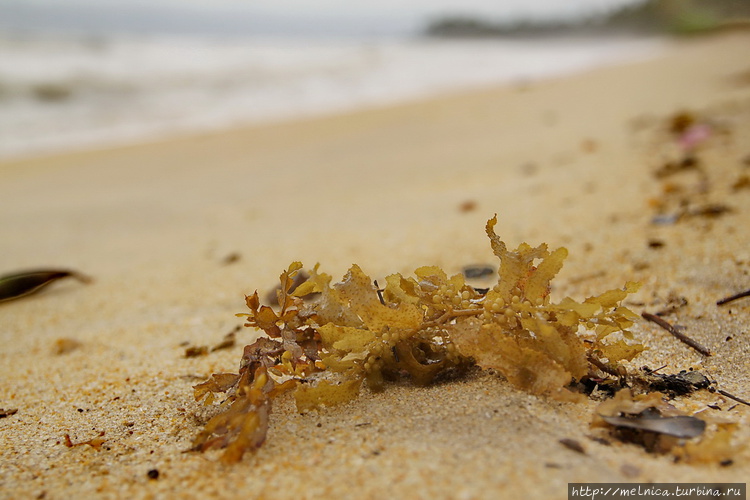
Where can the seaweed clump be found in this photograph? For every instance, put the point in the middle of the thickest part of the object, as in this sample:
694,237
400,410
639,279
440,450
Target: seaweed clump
423,328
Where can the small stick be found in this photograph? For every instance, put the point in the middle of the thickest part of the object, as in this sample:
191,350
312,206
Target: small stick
650,372
730,396
380,292
732,298
676,333
606,369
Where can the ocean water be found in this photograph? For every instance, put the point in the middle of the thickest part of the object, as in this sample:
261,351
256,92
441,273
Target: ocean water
66,91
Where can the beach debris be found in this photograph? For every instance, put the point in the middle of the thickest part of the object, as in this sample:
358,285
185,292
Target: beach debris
732,397
467,206
573,445
646,420
196,351
732,298
649,420
709,210
478,271
231,258
696,134
20,284
630,470
688,178
674,303
681,121
425,328
589,145
228,342
674,167
96,442
7,413
153,474
679,384
676,333
742,182
665,219
64,345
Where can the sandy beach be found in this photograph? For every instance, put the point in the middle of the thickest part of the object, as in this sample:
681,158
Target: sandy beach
175,233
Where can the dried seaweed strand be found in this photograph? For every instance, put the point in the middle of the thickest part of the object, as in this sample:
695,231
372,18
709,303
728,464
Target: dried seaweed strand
425,327
731,396
734,297
676,333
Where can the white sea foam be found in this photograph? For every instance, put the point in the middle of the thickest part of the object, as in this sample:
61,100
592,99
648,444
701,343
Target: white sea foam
63,93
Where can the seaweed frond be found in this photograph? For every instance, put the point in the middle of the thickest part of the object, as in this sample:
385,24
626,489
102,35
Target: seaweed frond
421,327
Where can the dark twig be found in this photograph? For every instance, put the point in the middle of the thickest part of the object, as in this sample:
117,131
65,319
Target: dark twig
604,368
731,396
380,292
732,298
676,333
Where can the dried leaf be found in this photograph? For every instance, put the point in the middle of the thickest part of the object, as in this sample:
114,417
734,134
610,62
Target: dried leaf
17,285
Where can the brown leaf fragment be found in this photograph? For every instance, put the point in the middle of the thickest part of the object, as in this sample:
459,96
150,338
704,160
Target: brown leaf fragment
196,351
573,445
20,284
231,258
228,342
681,121
7,413
742,182
710,210
64,345
467,206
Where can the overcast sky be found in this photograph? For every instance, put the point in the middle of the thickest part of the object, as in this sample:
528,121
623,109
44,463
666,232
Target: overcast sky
272,17
422,8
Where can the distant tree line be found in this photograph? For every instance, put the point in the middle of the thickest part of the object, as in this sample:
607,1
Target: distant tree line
646,17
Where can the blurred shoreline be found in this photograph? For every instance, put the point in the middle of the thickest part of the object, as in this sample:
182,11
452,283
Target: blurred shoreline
64,93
